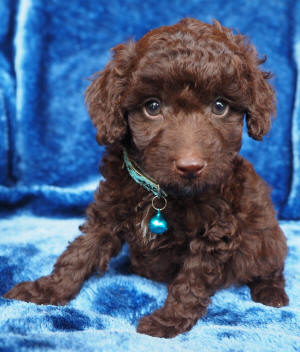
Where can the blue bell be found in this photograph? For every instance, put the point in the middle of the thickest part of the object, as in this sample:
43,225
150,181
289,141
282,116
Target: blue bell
158,224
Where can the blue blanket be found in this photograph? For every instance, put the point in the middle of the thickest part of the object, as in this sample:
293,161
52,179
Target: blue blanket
104,316
49,168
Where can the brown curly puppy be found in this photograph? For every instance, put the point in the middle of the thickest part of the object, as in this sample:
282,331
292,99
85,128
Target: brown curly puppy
176,101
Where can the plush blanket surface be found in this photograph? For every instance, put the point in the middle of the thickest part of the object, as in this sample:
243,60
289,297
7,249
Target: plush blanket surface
103,317
49,167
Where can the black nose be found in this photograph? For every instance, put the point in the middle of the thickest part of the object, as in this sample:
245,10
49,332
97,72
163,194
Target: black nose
189,166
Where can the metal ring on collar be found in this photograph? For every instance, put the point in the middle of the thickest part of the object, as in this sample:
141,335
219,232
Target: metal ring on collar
156,197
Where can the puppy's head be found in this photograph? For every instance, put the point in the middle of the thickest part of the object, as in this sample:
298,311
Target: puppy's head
180,94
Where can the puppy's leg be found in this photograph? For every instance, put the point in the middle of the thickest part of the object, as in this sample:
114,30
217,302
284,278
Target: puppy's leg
188,296
270,290
81,258
267,285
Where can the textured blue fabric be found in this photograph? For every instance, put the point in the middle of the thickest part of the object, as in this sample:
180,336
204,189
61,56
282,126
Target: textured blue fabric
48,165
104,316
49,48
292,209
7,90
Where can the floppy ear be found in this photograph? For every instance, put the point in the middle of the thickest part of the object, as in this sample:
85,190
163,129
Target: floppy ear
262,105
104,95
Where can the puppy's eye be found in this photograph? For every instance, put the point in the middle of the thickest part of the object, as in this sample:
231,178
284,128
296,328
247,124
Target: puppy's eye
152,107
220,107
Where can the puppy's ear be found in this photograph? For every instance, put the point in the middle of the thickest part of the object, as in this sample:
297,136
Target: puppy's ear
262,103
104,95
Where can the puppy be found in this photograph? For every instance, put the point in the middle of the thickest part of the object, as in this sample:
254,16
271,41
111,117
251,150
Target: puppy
170,109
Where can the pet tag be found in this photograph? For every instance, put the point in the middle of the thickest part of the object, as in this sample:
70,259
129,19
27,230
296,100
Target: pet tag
158,224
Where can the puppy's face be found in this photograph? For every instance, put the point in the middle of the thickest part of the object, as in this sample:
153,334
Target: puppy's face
185,134
180,95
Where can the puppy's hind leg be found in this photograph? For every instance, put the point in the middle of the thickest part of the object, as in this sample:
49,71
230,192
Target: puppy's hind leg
270,290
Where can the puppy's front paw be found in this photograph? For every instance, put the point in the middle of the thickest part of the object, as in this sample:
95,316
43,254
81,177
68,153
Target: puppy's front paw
271,296
158,325
150,326
24,291
39,292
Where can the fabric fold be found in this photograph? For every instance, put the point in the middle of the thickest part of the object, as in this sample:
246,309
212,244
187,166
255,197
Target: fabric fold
7,93
47,200
292,208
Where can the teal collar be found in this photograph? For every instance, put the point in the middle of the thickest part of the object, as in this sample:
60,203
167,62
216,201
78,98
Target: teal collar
157,224
140,177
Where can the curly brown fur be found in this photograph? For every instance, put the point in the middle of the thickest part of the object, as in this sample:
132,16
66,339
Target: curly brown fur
222,226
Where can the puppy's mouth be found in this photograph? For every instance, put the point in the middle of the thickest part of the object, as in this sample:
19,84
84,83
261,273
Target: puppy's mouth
186,188
185,182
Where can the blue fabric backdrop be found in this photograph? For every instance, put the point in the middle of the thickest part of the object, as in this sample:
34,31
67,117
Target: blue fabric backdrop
50,48
49,166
